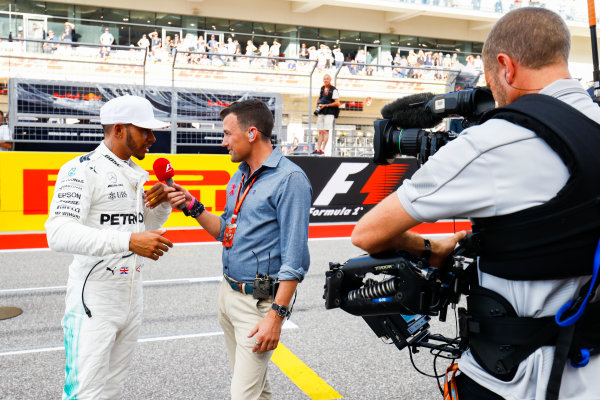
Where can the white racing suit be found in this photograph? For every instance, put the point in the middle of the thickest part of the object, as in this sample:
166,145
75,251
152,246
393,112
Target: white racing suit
97,205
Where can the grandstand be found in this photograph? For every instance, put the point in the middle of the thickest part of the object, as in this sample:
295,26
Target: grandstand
389,48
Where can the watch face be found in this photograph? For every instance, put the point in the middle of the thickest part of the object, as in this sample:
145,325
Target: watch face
282,311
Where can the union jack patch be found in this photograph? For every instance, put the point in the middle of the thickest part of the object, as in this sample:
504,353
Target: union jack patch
124,270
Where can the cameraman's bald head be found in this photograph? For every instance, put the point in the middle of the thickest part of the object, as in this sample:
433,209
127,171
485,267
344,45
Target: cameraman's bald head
532,36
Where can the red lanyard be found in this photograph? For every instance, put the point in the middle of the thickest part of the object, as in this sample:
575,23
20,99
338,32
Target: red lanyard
238,201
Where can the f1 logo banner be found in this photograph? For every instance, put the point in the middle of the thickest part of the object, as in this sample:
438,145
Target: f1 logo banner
346,188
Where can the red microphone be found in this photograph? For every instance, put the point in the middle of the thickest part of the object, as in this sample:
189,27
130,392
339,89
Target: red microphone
165,172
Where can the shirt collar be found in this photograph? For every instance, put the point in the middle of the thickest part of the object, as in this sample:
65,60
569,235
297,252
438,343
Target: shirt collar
561,87
271,162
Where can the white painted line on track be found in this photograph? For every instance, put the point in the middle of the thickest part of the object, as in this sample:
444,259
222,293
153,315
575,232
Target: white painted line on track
159,282
176,336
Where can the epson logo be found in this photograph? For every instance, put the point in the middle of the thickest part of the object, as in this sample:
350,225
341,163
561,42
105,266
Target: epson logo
69,195
121,219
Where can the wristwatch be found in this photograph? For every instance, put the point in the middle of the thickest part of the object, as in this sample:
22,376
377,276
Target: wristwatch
282,311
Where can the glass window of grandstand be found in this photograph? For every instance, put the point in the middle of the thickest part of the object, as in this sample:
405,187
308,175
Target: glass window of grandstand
168,20
89,26
406,44
58,10
262,28
389,43
143,18
289,39
217,24
191,26
9,25
29,6
371,41
350,43
308,32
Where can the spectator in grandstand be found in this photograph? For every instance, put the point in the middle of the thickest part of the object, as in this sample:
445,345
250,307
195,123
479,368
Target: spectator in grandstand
291,62
329,109
201,46
322,58
250,48
402,70
143,43
361,59
212,44
37,33
270,238
274,51
68,34
106,40
4,134
338,57
51,43
412,63
155,41
478,63
190,42
231,47
303,53
101,214
238,47
313,53
397,59
174,44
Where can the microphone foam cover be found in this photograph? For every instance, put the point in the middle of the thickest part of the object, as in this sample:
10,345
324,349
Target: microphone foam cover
411,112
163,169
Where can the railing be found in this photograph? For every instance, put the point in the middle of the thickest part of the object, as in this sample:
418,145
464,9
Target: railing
200,75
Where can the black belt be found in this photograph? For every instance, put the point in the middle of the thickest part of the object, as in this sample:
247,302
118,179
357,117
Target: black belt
243,288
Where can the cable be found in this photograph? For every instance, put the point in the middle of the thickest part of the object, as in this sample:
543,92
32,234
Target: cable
85,308
417,369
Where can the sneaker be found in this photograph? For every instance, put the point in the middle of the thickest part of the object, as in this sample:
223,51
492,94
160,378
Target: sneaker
317,152
321,152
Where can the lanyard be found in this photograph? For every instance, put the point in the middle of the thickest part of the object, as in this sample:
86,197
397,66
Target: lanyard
238,201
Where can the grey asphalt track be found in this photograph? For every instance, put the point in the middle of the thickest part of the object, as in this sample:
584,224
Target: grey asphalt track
181,354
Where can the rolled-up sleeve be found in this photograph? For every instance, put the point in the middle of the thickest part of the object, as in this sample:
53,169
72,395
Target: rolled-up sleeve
293,212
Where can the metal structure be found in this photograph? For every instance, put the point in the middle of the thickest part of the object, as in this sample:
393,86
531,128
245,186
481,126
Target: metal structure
188,91
67,112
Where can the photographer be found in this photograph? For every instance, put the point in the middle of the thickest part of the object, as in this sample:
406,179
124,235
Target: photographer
328,108
503,176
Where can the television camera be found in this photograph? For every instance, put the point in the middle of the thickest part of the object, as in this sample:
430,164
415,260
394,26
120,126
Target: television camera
402,129
397,293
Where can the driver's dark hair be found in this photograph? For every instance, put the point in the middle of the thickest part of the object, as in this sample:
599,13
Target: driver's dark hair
252,112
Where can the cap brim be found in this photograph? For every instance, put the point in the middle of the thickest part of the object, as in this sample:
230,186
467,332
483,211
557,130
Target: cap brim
151,124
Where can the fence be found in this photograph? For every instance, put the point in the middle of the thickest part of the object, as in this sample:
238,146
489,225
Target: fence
189,88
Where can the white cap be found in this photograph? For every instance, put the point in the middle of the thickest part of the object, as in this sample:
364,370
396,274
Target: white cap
133,110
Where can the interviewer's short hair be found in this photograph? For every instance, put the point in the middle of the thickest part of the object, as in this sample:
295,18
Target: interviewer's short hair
249,113
534,37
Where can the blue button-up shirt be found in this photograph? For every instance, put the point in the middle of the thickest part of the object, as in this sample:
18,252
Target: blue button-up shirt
272,222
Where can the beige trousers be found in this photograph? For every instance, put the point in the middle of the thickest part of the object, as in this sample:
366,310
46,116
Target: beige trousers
238,315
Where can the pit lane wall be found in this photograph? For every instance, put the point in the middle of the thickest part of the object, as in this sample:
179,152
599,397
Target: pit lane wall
344,189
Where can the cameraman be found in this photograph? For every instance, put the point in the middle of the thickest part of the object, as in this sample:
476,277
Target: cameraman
328,108
500,170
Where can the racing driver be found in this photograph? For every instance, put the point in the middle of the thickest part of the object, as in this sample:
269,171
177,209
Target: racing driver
101,214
